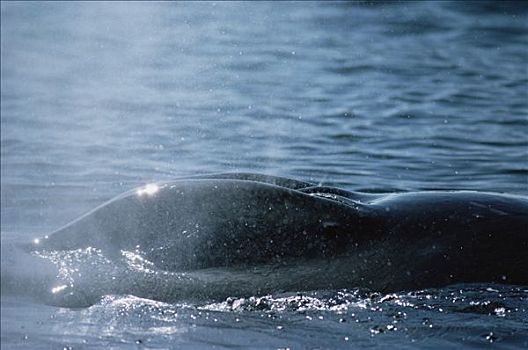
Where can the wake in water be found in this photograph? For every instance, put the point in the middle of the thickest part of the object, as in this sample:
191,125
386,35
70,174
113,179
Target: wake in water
212,237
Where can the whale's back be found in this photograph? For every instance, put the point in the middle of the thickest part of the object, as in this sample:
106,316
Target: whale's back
202,223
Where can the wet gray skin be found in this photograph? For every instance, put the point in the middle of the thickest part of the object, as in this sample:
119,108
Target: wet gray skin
242,222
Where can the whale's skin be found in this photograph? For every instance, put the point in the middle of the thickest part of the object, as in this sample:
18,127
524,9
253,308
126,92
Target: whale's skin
386,242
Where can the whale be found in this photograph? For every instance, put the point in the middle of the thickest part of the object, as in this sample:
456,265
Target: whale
243,233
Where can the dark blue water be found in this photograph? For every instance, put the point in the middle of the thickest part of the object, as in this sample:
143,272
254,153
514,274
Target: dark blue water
97,98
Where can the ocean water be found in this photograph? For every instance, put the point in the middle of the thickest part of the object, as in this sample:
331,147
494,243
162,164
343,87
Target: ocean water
98,98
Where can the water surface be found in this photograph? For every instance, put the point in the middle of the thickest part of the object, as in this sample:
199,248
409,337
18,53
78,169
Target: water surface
97,98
